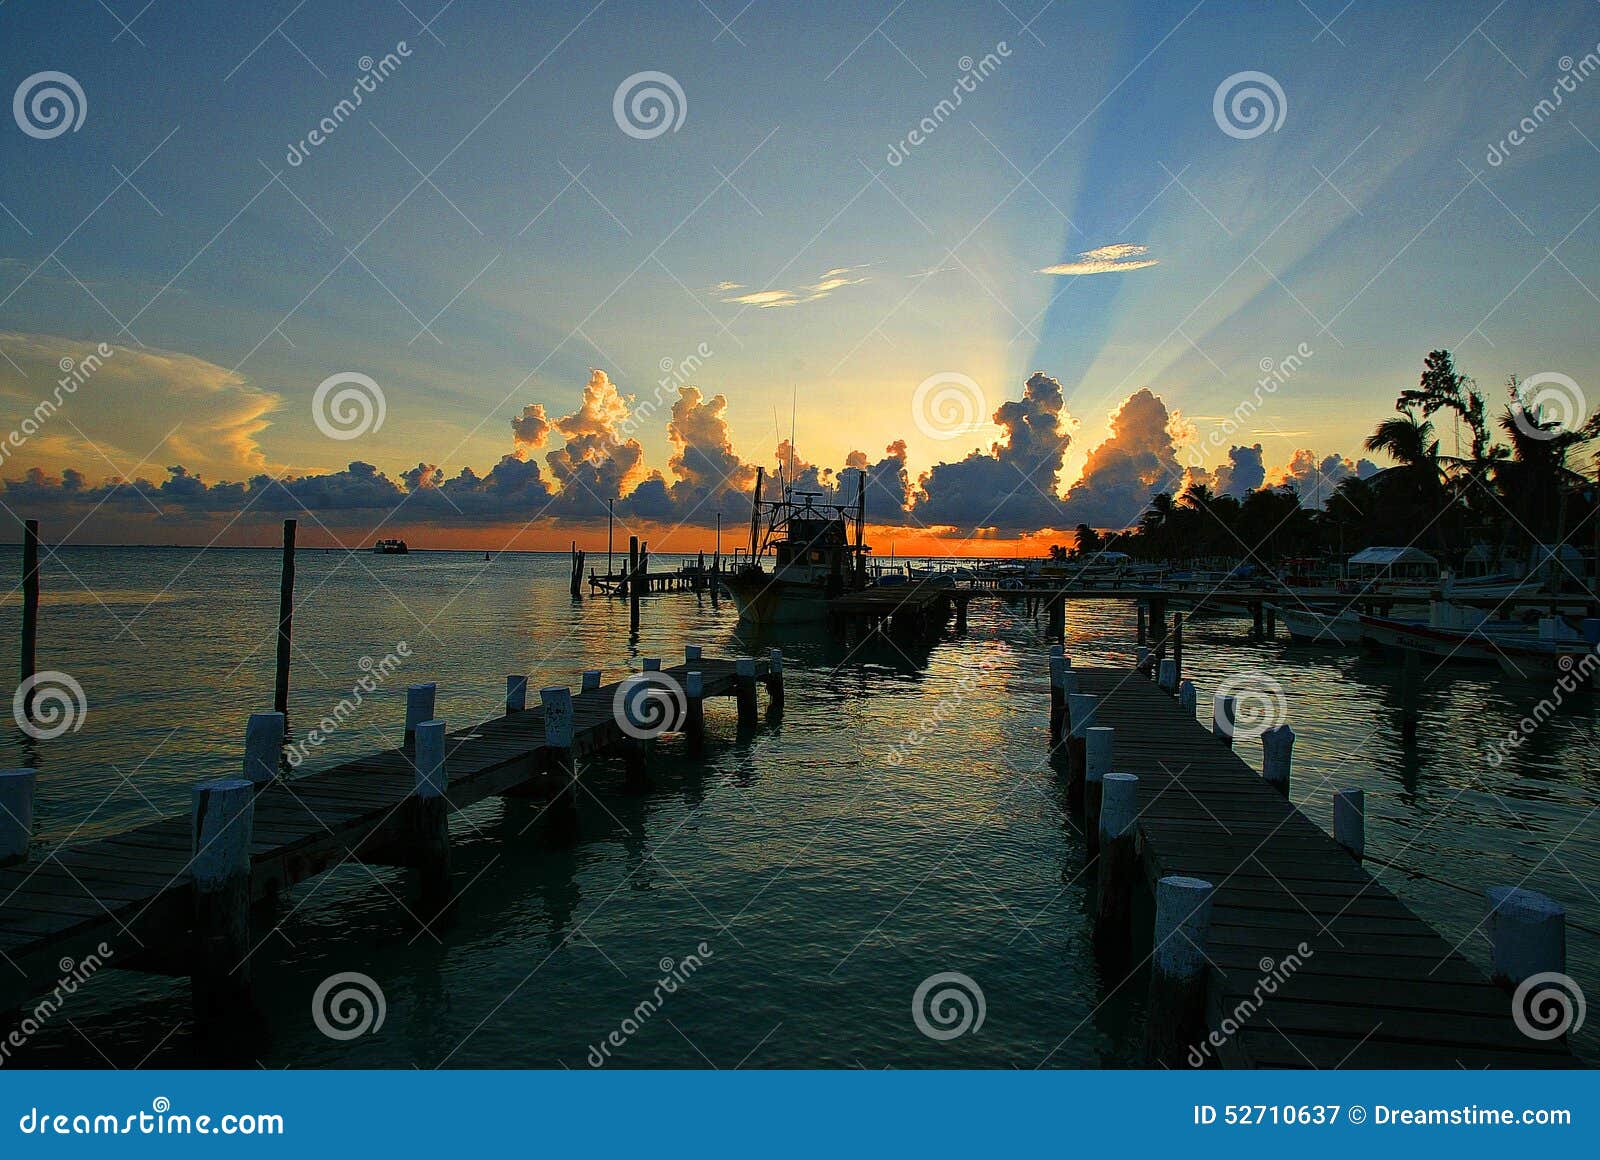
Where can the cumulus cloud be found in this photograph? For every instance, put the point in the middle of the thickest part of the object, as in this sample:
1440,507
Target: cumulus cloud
1314,480
1243,473
597,463
1122,473
531,428
1112,259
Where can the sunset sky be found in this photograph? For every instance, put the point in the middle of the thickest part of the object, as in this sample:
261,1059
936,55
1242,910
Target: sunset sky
812,234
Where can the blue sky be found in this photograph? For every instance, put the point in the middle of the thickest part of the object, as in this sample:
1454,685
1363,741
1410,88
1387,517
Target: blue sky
546,241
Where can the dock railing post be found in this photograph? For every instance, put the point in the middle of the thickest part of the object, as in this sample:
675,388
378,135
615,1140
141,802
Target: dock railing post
223,817
1167,680
1058,699
1350,821
1176,1009
650,664
263,747
775,678
556,701
516,693
1098,742
1080,709
1277,756
1527,935
591,680
1117,870
744,686
1224,715
419,708
16,814
694,716
430,820
1188,697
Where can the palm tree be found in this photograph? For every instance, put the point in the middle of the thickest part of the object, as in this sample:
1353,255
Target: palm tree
1088,540
1415,498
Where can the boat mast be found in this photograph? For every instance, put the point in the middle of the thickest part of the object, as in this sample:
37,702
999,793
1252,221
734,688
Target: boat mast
755,512
861,524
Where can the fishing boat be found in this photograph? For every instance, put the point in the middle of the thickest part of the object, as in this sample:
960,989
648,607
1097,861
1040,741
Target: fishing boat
804,552
1308,625
1453,633
390,548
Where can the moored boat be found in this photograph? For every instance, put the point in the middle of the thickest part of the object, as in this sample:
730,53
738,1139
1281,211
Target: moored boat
816,551
1320,626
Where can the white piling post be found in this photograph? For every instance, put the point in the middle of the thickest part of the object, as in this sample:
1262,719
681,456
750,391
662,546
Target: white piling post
1118,870
1141,659
1277,755
1058,699
556,700
1224,715
16,814
223,817
419,708
1188,698
694,717
516,694
1177,1005
1527,934
691,654
1098,741
1167,681
652,664
1057,650
775,677
1080,709
430,819
1350,821
744,687
591,680
263,746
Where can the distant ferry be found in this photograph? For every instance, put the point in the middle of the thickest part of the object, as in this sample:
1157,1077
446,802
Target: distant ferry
390,548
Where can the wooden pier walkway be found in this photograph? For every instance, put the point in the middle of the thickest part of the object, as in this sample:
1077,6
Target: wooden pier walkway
1380,989
133,891
919,609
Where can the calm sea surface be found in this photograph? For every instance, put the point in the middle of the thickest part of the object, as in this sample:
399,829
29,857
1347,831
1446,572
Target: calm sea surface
825,880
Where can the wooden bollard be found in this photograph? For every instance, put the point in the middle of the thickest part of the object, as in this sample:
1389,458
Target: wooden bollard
430,820
1058,699
1141,660
691,655
694,715
591,680
223,819
516,694
1058,617
1188,697
263,747
1080,708
652,664
16,814
1167,681
556,701
1142,638
1118,870
1277,755
775,677
1224,715
1527,935
744,688
419,708
1176,1009
1350,821
1097,747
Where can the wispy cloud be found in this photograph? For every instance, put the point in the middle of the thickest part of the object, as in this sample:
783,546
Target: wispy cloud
1106,260
829,281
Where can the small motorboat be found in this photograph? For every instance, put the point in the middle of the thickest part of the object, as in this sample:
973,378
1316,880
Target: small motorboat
1321,626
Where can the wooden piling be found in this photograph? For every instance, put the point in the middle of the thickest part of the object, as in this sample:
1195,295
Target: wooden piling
1080,709
1257,622
1177,645
419,708
1277,755
744,681
516,693
1188,697
1410,692
1350,821
575,582
651,664
559,732
775,678
430,821
1527,935
633,584
591,680
263,747
222,824
1224,715
691,654
1272,621
694,716
16,814
30,614
1141,661
1097,748
1167,681
280,695
1142,637
1118,871
1058,700
1058,617
1176,1018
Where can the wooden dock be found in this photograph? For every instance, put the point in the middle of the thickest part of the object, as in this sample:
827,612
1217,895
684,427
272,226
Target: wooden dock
1380,988
913,610
134,891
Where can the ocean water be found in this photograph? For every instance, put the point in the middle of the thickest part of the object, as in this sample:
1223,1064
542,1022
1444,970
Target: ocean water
803,882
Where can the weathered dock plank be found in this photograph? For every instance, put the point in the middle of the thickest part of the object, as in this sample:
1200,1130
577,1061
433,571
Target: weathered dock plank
1379,988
